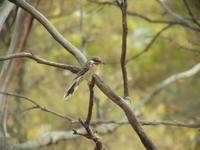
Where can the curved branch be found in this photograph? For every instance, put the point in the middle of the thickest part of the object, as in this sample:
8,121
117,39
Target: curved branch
186,74
39,60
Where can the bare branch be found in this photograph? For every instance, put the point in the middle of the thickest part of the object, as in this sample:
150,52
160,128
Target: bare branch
52,30
71,68
126,107
186,74
91,136
180,18
38,106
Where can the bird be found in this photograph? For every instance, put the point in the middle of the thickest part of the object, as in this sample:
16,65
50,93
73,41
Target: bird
86,73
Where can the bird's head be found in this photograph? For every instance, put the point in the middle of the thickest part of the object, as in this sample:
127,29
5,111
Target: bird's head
96,61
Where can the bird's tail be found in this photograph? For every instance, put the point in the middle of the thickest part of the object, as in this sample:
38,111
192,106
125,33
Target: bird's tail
72,89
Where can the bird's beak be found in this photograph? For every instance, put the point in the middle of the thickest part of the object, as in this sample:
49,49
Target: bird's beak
102,62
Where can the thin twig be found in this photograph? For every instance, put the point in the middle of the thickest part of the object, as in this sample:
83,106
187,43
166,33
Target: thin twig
90,135
39,60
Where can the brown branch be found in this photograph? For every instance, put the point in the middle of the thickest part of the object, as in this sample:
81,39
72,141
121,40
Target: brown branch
146,49
90,135
39,60
38,106
91,101
126,107
123,6
52,30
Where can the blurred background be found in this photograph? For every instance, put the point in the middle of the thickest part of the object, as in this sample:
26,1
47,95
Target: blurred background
95,28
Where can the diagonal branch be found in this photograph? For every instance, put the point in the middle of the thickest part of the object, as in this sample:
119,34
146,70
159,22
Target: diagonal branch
186,74
126,107
91,135
52,30
39,60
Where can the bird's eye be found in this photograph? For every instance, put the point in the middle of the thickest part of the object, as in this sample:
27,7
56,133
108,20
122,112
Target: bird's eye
91,61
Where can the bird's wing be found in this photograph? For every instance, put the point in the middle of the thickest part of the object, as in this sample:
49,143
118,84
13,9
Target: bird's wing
81,72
